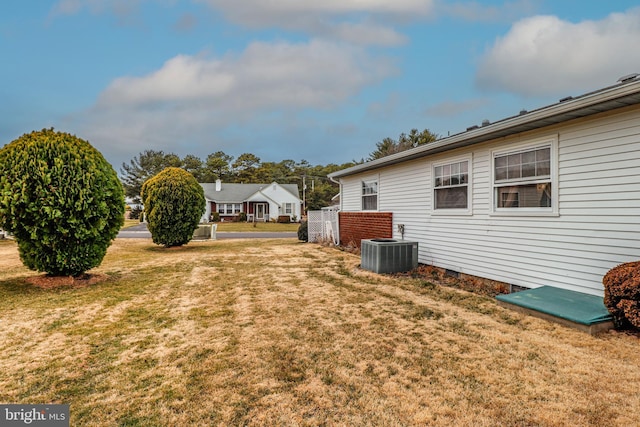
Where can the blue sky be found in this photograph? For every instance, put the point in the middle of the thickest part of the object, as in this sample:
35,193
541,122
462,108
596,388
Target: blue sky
322,81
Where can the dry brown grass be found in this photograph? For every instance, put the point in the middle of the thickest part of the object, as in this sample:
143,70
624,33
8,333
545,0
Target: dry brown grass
249,227
276,332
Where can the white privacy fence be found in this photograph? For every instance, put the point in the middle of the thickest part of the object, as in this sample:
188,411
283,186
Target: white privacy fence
323,225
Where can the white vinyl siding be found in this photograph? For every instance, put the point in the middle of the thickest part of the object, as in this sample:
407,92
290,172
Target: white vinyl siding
594,226
351,194
404,190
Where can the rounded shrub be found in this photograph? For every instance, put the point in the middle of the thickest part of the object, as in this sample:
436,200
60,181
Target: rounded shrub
135,212
303,231
173,204
622,294
62,201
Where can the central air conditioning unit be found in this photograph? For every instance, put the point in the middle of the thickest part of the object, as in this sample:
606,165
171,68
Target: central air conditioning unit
388,255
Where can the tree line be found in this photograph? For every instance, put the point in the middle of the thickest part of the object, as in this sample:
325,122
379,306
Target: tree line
248,168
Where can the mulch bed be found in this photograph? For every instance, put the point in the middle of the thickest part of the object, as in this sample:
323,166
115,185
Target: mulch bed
465,282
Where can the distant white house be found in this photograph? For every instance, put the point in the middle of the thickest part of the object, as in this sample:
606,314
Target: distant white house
546,197
133,203
260,202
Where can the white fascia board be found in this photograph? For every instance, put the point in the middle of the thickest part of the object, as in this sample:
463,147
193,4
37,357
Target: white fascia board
505,127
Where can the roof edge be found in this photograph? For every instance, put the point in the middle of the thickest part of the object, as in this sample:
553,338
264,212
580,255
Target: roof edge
508,126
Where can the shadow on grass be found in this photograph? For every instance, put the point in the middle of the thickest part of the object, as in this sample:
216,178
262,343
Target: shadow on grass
180,249
23,286
19,286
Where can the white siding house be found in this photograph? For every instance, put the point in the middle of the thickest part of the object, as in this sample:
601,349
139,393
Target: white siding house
549,197
259,202
280,201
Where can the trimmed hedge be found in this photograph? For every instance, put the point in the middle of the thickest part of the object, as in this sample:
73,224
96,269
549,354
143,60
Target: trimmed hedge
622,294
173,203
62,201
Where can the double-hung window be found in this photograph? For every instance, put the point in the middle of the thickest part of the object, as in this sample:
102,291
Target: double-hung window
369,195
287,208
451,186
523,179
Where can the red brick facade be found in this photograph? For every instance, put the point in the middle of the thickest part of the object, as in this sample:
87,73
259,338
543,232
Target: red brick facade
355,226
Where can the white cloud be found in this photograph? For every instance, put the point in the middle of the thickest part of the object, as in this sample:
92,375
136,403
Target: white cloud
363,22
181,78
317,74
190,99
477,12
365,33
126,12
265,13
545,55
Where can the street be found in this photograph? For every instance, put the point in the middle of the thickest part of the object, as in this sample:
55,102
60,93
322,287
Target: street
141,232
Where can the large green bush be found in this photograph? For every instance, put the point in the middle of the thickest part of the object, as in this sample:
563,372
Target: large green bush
61,199
173,204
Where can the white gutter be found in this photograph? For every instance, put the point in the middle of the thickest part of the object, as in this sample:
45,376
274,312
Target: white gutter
507,126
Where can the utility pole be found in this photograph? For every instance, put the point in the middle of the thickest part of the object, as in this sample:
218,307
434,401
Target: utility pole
304,194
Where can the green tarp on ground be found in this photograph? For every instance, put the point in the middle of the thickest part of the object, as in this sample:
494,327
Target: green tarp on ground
575,306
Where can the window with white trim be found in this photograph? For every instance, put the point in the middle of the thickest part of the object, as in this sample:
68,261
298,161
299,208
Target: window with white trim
369,195
523,179
229,208
287,208
451,185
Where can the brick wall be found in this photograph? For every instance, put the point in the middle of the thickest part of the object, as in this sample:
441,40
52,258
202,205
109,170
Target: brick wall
355,226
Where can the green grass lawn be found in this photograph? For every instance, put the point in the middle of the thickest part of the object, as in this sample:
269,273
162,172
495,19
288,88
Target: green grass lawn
278,332
130,223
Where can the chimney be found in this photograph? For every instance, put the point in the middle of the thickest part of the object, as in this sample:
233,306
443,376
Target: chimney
218,184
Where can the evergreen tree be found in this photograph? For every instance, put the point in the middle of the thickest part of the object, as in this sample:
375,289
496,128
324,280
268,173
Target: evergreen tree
405,142
245,168
217,166
142,167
